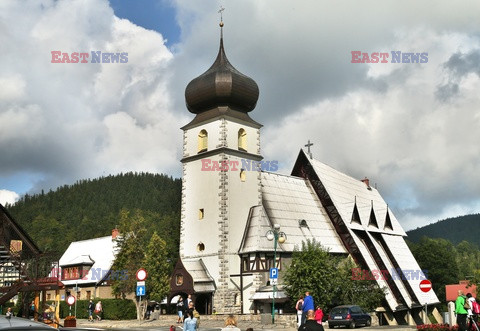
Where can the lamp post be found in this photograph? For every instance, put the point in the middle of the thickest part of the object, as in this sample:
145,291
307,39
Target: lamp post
278,237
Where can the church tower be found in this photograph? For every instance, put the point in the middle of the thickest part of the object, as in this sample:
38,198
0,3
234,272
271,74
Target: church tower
220,183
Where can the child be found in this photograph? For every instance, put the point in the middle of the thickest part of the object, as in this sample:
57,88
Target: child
319,315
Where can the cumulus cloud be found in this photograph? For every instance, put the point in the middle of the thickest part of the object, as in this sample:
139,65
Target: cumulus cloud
411,128
8,197
68,121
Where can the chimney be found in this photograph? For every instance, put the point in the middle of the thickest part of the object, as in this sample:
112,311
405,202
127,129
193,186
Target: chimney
115,233
366,181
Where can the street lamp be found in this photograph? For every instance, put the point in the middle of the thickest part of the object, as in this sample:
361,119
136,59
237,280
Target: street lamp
278,237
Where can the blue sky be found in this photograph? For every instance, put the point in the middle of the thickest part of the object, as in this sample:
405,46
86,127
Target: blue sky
411,128
158,15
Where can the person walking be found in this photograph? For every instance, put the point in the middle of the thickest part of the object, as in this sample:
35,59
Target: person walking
180,309
91,308
299,308
99,310
307,305
461,309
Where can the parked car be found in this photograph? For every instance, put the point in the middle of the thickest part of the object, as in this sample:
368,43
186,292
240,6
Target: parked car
348,315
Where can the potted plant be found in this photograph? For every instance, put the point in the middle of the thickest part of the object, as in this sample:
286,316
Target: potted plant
70,321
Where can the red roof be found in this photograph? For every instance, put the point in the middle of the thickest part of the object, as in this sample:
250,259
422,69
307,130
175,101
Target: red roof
451,291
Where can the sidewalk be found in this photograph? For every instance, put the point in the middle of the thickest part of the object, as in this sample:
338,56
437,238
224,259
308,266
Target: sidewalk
206,323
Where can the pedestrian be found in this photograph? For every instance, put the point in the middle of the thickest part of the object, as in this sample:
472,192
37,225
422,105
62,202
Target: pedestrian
471,316
299,308
99,310
91,308
307,305
180,309
194,312
319,315
231,324
461,306
31,311
9,313
311,324
189,299
190,323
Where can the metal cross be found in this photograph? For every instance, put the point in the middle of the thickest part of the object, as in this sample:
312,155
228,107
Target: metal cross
221,13
308,148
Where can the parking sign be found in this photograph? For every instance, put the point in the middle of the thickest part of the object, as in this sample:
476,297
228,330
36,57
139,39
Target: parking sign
273,273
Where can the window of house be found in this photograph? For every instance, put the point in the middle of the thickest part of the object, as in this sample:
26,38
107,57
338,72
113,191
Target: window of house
202,141
243,175
179,280
242,140
200,247
200,214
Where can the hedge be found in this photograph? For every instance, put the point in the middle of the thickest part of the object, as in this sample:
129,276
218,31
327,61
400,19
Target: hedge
113,309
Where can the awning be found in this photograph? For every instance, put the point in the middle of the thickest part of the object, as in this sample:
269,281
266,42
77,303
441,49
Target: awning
280,296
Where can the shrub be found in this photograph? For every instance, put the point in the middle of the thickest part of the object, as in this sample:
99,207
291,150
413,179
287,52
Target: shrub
113,309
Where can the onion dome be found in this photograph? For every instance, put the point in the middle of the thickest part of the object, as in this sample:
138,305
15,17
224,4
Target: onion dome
221,85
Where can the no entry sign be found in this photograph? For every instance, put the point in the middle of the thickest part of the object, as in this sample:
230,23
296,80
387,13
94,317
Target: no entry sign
425,285
141,274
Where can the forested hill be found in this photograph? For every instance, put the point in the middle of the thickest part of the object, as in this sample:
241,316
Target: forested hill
91,208
454,230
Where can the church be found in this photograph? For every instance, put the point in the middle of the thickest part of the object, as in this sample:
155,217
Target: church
229,206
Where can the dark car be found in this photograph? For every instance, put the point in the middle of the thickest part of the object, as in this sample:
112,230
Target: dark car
350,316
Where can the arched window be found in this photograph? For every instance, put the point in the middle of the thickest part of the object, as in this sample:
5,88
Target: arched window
200,247
242,140
243,175
202,141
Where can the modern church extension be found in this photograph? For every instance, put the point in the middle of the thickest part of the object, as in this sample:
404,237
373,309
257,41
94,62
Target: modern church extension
224,253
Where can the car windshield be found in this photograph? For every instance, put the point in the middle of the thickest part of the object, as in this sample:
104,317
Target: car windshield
340,311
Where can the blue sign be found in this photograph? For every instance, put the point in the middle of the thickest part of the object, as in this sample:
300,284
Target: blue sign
273,273
141,290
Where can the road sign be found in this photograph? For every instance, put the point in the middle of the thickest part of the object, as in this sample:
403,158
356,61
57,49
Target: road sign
141,290
71,300
273,273
425,285
273,281
141,274
142,283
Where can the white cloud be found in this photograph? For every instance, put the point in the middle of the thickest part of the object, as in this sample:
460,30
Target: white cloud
8,197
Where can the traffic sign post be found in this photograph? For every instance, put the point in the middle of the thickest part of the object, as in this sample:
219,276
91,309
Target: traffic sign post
71,301
141,274
141,290
425,287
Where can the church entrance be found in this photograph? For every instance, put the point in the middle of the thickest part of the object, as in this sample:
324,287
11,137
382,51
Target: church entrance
203,303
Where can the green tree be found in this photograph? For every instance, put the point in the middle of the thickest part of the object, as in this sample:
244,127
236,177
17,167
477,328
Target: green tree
439,258
328,278
158,268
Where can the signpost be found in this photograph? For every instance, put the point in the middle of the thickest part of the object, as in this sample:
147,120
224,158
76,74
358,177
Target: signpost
71,301
273,276
425,287
141,288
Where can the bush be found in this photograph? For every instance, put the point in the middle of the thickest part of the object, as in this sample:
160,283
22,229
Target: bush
113,309
437,327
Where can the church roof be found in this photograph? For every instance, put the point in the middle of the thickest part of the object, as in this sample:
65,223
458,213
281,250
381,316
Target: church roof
221,85
291,203
350,195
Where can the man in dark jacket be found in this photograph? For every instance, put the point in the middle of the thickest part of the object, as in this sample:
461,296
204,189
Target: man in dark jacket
311,324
